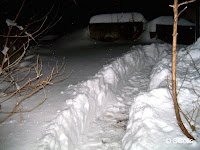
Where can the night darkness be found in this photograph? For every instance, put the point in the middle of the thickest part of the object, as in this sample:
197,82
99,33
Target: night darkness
75,16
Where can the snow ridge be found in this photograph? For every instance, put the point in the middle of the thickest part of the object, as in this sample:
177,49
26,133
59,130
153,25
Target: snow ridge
152,123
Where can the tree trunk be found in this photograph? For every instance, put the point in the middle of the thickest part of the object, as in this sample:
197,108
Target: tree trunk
176,106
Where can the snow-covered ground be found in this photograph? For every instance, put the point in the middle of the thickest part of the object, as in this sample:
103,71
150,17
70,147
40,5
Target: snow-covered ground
117,98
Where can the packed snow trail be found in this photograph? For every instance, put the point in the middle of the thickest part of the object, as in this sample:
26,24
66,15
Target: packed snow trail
85,61
108,130
97,109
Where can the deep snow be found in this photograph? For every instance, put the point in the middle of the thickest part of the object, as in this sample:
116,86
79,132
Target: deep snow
110,101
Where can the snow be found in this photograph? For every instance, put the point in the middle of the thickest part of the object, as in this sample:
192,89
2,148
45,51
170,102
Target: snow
117,98
118,18
167,20
194,51
163,20
89,101
162,131
12,23
5,49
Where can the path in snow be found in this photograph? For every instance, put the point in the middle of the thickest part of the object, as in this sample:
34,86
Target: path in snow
96,110
85,61
108,130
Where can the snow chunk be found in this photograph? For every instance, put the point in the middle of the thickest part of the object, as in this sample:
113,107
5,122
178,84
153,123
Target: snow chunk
10,23
110,76
20,28
158,77
118,18
5,49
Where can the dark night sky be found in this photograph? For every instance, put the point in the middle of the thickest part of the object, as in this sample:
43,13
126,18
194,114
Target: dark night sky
74,16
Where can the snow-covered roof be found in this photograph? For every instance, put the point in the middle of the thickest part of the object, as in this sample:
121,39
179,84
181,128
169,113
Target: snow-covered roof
118,18
166,20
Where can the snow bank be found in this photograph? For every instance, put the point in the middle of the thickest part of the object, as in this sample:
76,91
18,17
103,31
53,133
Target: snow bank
118,18
89,99
152,123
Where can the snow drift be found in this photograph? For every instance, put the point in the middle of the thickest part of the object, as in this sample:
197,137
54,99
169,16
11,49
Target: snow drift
152,122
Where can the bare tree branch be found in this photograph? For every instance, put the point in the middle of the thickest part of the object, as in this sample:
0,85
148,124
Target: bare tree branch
186,2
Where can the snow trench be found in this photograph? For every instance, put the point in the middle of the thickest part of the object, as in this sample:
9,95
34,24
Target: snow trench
89,99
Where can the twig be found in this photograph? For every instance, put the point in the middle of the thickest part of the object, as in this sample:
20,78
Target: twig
186,2
183,80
